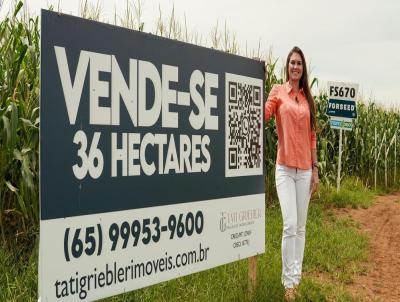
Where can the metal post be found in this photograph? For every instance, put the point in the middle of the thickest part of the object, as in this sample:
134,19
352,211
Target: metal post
340,160
395,157
386,154
376,160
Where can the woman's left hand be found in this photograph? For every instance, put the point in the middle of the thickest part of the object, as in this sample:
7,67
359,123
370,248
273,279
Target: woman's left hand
314,180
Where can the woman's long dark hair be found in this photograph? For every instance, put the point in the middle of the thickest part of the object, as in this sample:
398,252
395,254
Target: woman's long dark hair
303,84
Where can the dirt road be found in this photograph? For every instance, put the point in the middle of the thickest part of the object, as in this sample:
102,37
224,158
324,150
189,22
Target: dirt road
382,223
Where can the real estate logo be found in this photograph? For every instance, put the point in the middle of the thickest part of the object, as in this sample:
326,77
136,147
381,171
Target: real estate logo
236,219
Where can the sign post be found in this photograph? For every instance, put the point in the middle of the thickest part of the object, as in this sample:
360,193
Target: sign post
151,159
342,109
340,160
252,274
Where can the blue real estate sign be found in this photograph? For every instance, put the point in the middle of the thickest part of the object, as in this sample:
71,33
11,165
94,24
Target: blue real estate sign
151,159
342,107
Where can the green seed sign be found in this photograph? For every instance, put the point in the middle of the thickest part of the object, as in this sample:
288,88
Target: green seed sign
342,107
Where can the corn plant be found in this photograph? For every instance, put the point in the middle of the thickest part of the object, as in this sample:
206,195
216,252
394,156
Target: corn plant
19,118
19,125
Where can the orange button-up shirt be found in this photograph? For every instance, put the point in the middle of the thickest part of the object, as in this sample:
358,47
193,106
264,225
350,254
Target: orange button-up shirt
296,139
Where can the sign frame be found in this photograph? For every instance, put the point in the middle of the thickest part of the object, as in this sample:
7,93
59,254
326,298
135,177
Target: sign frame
102,223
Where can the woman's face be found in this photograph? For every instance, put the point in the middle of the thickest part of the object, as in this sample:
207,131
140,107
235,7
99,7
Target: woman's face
295,67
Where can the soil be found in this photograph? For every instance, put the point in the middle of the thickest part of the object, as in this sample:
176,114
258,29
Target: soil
381,221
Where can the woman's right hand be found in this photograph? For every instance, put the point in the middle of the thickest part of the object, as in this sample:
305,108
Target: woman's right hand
314,180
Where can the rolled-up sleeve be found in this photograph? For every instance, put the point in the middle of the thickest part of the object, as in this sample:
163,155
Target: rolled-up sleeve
272,102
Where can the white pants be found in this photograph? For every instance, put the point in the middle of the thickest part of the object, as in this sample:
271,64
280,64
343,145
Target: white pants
293,187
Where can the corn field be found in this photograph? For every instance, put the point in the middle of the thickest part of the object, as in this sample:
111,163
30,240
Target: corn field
369,151
19,124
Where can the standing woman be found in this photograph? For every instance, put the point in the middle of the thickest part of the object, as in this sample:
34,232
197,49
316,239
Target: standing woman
296,173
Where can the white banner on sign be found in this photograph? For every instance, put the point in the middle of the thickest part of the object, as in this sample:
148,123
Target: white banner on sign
342,91
105,254
342,123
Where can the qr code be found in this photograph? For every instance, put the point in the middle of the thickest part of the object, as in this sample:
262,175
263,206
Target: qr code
243,126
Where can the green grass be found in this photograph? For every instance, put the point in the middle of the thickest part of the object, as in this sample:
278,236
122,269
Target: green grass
334,245
314,291
334,249
18,276
352,194
382,190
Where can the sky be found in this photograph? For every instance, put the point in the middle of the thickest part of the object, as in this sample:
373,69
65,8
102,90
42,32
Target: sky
354,41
